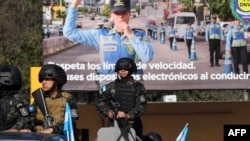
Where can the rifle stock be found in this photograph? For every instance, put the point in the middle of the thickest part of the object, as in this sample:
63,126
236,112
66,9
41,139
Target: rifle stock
48,121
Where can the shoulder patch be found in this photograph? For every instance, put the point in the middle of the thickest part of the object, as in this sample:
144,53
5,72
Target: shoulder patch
142,98
24,111
74,113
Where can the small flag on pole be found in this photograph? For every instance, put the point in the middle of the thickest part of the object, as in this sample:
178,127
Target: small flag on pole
68,130
183,134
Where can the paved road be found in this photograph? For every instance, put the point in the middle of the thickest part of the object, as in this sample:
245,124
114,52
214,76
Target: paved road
159,73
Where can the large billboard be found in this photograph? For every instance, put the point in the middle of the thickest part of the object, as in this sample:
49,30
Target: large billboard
168,70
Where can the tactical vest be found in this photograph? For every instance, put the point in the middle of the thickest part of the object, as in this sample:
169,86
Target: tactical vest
171,32
125,94
161,29
238,37
214,31
56,108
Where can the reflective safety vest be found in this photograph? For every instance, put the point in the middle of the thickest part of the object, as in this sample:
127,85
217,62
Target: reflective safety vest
161,29
189,33
214,31
238,37
155,28
171,32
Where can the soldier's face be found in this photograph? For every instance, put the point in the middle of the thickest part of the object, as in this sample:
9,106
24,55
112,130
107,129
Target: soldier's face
123,73
47,84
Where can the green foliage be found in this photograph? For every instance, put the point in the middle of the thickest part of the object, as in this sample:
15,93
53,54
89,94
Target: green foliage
84,10
106,10
62,15
187,5
220,8
137,8
200,95
20,38
57,2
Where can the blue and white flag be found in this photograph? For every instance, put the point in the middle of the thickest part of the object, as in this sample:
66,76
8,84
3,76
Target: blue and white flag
183,134
68,130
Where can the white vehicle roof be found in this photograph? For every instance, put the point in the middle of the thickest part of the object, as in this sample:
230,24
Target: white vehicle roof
182,14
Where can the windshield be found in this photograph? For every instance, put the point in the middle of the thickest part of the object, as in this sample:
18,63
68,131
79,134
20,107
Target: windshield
185,20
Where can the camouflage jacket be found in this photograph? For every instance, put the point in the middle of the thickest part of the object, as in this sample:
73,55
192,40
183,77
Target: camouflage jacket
14,111
103,107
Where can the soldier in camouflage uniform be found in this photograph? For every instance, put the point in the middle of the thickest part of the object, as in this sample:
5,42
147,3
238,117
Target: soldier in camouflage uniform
53,77
129,94
14,114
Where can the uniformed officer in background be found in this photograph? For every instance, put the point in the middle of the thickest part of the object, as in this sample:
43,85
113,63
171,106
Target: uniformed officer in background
14,114
214,38
189,36
114,43
53,77
171,35
236,41
126,92
60,29
162,32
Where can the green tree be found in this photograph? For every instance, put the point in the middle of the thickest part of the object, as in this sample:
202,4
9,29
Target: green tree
220,8
138,9
84,10
106,10
20,38
57,2
187,5
217,7
62,15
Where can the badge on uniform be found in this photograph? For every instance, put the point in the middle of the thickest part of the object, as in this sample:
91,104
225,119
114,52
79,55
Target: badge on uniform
24,112
103,89
74,113
22,109
142,98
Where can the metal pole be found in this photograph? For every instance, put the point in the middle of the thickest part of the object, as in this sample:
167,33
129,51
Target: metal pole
61,7
169,6
140,8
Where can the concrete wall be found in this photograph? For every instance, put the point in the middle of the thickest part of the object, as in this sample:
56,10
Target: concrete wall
206,119
55,45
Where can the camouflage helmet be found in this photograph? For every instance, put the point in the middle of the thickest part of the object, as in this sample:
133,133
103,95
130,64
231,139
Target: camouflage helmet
52,71
10,77
126,64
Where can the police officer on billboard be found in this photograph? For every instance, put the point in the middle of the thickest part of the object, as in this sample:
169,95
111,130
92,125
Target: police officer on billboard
14,114
171,35
129,94
189,36
214,38
162,32
113,43
236,41
53,77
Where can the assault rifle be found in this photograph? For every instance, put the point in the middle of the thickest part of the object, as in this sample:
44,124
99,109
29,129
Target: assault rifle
48,121
121,122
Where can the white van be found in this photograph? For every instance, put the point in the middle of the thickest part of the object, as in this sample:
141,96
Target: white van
180,20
